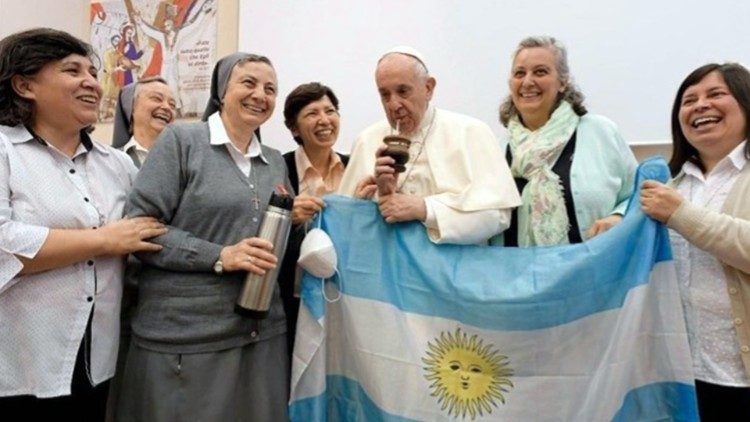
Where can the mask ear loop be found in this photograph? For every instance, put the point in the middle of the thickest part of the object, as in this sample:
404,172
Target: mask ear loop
323,280
323,288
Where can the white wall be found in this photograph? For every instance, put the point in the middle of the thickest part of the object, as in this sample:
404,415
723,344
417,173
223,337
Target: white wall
66,15
338,42
627,56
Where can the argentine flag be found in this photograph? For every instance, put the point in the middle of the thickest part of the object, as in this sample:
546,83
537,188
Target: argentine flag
425,332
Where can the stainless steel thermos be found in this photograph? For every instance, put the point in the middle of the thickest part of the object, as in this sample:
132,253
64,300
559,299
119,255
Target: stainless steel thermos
256,294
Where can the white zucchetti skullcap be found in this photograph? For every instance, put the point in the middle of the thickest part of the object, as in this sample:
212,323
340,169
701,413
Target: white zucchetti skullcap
406,50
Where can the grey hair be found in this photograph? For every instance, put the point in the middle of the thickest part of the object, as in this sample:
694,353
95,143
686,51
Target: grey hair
572,93
145,81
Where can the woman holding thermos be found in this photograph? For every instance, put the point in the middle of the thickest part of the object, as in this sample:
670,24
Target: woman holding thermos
193,356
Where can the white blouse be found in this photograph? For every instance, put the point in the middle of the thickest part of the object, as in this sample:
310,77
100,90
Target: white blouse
43,316
703,284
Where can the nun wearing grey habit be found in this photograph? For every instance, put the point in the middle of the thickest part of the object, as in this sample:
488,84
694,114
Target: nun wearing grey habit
121,135
123,116
192,357
123,120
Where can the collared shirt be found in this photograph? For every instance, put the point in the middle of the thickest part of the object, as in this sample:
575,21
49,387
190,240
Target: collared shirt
219,136
137,148
311,181
703,284
43,316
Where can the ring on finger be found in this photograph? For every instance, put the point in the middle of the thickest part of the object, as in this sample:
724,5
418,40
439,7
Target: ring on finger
249,259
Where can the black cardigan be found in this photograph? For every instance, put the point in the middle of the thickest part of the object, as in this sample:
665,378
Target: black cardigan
291,165
562,169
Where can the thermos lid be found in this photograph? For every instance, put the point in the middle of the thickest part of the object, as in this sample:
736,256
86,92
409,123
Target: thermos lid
282,201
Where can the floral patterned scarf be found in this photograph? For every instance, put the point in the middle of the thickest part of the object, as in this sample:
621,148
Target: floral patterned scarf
542,217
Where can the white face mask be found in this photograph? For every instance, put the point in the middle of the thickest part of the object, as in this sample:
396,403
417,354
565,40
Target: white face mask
317,255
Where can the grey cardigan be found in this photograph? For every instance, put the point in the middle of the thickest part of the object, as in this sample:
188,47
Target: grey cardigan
207,202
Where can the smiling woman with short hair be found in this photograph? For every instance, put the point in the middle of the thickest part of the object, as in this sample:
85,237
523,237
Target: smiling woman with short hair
62,238
311,113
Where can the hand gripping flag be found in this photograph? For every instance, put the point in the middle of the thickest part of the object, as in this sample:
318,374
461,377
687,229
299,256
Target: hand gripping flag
587,332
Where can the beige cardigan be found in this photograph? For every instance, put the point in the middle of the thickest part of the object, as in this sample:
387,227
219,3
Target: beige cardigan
726,236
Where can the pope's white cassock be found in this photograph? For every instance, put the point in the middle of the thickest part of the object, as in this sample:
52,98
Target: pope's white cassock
456,165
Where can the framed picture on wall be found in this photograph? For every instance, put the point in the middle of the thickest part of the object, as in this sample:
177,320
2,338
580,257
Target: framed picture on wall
174,39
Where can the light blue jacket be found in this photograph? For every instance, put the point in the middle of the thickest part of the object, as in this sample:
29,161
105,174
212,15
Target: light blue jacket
602,172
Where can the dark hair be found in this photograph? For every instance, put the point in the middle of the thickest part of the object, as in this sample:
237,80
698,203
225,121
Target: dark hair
737,79
26,53
301,97
572,93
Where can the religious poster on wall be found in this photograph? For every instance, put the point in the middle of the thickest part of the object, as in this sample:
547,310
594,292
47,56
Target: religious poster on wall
174,39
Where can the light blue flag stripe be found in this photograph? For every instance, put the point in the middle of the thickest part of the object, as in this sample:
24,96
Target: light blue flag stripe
539,287
672,401
345,400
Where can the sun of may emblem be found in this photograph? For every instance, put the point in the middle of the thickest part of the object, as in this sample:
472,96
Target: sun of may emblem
468,377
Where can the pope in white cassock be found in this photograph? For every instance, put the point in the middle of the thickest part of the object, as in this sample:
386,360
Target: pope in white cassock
456,182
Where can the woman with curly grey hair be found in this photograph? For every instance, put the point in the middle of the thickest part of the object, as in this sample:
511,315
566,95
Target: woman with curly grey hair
574,170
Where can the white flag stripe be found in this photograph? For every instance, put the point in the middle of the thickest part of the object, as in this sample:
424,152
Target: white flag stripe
308,369
377,355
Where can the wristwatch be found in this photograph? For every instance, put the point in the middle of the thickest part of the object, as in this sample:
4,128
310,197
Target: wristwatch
218,267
